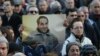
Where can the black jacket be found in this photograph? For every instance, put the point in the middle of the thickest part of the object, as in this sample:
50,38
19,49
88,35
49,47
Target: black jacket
14,22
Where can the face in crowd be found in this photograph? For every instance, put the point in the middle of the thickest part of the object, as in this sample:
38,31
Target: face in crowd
43,24
77,28
86,12
33,11
95,7
43,6
3,49
74,51
18,8
71,16
7,6
70,4
81,16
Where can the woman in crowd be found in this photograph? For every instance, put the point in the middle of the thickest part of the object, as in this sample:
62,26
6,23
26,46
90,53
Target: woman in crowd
73,49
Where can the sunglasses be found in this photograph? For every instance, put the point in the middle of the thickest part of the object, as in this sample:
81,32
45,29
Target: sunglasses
33,12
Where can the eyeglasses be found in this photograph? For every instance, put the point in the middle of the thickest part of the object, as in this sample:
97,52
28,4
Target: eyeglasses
78,27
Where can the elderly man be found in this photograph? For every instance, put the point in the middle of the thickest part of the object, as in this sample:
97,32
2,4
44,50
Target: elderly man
43,7
95,12
3,46
89,26
69,4
76,35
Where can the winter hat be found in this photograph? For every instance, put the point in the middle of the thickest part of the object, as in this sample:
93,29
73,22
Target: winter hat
88,49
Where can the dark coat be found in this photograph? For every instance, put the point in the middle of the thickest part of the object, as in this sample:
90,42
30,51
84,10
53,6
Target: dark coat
36,51
90,31
14,22
96,19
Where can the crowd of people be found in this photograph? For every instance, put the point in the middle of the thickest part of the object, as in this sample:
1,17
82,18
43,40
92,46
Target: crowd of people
82,28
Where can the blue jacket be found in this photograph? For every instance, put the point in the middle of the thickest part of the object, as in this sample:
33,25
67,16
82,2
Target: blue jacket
39,50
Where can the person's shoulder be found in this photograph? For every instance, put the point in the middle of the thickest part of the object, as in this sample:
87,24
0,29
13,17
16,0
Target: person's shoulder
51,34
71,37
86,38
34,33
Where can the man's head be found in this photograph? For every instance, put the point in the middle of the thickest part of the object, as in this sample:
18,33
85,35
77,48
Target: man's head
55,7
4,46
43,6
71,14
77,27
81,15
70,4
17,6
85,10
8,6
42,23
95,6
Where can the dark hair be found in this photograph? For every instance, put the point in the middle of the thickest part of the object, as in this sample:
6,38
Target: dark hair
74,20
42,17
68,46
70,10
88,49
5,30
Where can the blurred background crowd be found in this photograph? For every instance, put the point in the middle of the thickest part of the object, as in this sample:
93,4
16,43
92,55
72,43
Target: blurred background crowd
82,28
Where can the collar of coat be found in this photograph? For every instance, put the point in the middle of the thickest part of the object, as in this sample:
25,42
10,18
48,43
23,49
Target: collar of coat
78,39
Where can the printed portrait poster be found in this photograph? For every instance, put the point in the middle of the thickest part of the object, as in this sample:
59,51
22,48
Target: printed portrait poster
55,25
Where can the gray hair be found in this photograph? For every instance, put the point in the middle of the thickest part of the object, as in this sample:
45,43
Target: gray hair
4,40
55,4
82,8
19,54
94,2
35,8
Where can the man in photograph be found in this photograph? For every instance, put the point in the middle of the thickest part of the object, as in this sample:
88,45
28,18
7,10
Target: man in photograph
43,34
